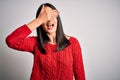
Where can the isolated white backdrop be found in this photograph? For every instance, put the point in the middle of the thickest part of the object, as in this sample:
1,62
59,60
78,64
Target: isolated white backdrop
95,23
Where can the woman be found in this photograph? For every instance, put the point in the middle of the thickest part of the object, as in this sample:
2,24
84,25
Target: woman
56,56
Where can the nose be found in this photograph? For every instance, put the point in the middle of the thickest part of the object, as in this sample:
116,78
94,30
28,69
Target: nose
50,21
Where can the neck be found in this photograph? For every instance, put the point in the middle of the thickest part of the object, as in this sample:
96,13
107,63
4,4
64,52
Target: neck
52,38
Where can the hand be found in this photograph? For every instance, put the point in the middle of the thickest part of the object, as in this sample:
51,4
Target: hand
47,14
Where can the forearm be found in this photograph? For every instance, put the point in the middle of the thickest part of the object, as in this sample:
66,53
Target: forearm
34,24
17,35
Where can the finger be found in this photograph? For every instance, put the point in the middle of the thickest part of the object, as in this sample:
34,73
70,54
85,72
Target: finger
49,16
56,13
43,8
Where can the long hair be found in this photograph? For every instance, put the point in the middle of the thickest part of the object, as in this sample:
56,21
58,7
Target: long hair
61,40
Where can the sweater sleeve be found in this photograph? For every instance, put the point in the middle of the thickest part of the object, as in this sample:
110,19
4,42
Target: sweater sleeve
18,39
78,67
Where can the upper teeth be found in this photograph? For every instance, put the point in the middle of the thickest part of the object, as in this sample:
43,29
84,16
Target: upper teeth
50,24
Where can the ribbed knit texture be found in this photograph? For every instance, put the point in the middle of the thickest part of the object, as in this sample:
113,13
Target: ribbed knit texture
61,65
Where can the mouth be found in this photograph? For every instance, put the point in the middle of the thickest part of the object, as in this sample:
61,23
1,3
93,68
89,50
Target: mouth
50,26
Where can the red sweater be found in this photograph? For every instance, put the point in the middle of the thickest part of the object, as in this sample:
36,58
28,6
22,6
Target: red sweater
61,65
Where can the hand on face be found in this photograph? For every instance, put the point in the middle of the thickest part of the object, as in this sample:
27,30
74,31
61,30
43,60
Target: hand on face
47,14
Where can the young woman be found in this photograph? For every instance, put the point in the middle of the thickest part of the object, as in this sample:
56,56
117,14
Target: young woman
56,55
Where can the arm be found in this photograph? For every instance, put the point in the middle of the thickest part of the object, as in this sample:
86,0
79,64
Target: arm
18,39
44,16
78,66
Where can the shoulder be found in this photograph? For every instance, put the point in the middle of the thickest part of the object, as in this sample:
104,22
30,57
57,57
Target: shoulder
75,43
70,38
73,39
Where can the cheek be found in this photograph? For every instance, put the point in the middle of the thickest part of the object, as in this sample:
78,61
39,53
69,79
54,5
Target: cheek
56,23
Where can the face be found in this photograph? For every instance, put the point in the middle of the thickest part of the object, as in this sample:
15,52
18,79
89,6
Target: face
50,26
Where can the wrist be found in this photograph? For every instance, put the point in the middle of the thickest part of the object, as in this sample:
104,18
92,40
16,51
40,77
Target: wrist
34,24
39,21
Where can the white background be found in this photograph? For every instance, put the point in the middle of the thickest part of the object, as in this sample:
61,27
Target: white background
95,23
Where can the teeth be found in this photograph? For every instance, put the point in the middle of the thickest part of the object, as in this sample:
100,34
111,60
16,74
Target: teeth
50,25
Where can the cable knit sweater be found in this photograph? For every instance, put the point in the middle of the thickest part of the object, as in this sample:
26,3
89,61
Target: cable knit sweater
61,65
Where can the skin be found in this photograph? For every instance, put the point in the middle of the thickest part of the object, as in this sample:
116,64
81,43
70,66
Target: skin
51,26
46,18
